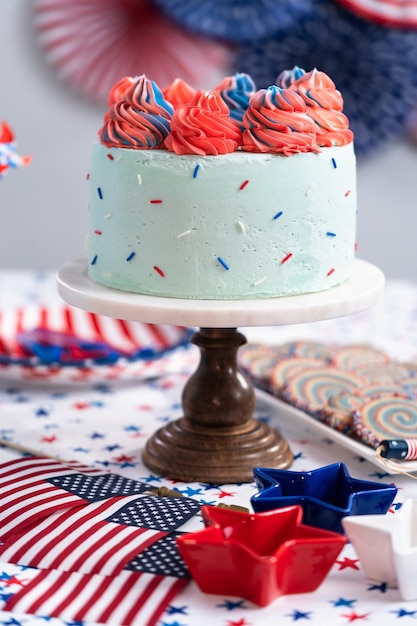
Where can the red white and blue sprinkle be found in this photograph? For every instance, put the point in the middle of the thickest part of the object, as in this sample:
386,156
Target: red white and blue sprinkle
195,173
243,185
139,179
156,201
158,269
334,162
130,257
277,215
330,272
285,259
223,263
93,262
100,193
330,234
184,234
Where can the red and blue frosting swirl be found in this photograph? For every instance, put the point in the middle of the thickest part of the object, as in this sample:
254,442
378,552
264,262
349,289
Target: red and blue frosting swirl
276,121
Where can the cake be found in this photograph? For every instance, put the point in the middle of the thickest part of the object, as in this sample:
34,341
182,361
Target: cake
234,193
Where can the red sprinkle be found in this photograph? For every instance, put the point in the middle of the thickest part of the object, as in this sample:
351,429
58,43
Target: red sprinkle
243,185
157,201
347,193
158,269
356,246
285,259
87,176
97,232
111,157
330,272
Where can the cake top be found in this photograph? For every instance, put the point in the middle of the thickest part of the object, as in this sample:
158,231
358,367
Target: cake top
302,112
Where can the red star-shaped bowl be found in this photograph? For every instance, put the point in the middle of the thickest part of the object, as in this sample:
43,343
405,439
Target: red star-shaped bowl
258,556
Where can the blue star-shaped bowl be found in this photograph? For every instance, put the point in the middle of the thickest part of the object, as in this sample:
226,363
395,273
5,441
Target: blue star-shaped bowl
326,495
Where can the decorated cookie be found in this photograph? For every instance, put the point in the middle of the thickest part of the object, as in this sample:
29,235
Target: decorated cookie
338,413
314,349
352,357
285,369
258,361
386,417
384,373
310,390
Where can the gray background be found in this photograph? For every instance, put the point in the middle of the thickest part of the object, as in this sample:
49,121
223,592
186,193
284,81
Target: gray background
43,207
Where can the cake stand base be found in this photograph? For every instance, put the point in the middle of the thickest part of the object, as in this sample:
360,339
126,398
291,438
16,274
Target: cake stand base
217,440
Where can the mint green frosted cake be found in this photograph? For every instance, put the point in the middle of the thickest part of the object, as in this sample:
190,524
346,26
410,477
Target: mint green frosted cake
189,200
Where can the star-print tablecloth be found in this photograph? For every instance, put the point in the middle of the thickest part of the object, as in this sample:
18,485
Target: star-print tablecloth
103,421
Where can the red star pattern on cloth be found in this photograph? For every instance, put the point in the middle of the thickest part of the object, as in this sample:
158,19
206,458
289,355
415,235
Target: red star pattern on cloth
347,562
352,617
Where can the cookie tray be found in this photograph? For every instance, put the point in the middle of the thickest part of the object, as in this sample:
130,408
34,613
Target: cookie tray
294,423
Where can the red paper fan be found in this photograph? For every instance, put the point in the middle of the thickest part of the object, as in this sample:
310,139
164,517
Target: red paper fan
94,43
397,13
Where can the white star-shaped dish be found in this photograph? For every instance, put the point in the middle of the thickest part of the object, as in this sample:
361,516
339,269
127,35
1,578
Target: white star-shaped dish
386,546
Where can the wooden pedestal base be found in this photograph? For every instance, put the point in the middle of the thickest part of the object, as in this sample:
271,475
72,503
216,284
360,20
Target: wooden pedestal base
218,440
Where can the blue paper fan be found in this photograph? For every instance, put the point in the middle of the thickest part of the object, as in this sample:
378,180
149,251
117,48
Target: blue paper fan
236,20
374,67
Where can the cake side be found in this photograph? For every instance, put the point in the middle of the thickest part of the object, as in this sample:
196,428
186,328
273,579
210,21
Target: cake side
239,225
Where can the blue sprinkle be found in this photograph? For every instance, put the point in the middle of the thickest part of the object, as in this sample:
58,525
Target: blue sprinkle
334,163
197,167
93,262
277,215
329,234
100,194
131,255
220,260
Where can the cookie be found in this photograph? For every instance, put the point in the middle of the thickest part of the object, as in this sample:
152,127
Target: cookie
310,390
386,417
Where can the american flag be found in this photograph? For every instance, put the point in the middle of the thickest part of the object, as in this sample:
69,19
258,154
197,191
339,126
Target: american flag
129,599
82,539
103,545
27,496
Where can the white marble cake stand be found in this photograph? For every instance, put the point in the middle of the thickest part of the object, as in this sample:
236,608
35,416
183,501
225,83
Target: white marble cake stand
218,440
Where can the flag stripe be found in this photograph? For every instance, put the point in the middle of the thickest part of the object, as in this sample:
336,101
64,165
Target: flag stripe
27,497
81,539
129,599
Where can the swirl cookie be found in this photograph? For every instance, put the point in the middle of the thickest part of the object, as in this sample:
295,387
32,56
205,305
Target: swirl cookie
386,417
384,373
258,361
314,350
285,369
352,357
310,390
338,414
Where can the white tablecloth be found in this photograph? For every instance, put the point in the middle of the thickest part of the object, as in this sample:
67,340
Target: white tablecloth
105,422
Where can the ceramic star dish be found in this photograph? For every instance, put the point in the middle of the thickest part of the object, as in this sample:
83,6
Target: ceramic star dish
258,556
326,495
386,546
